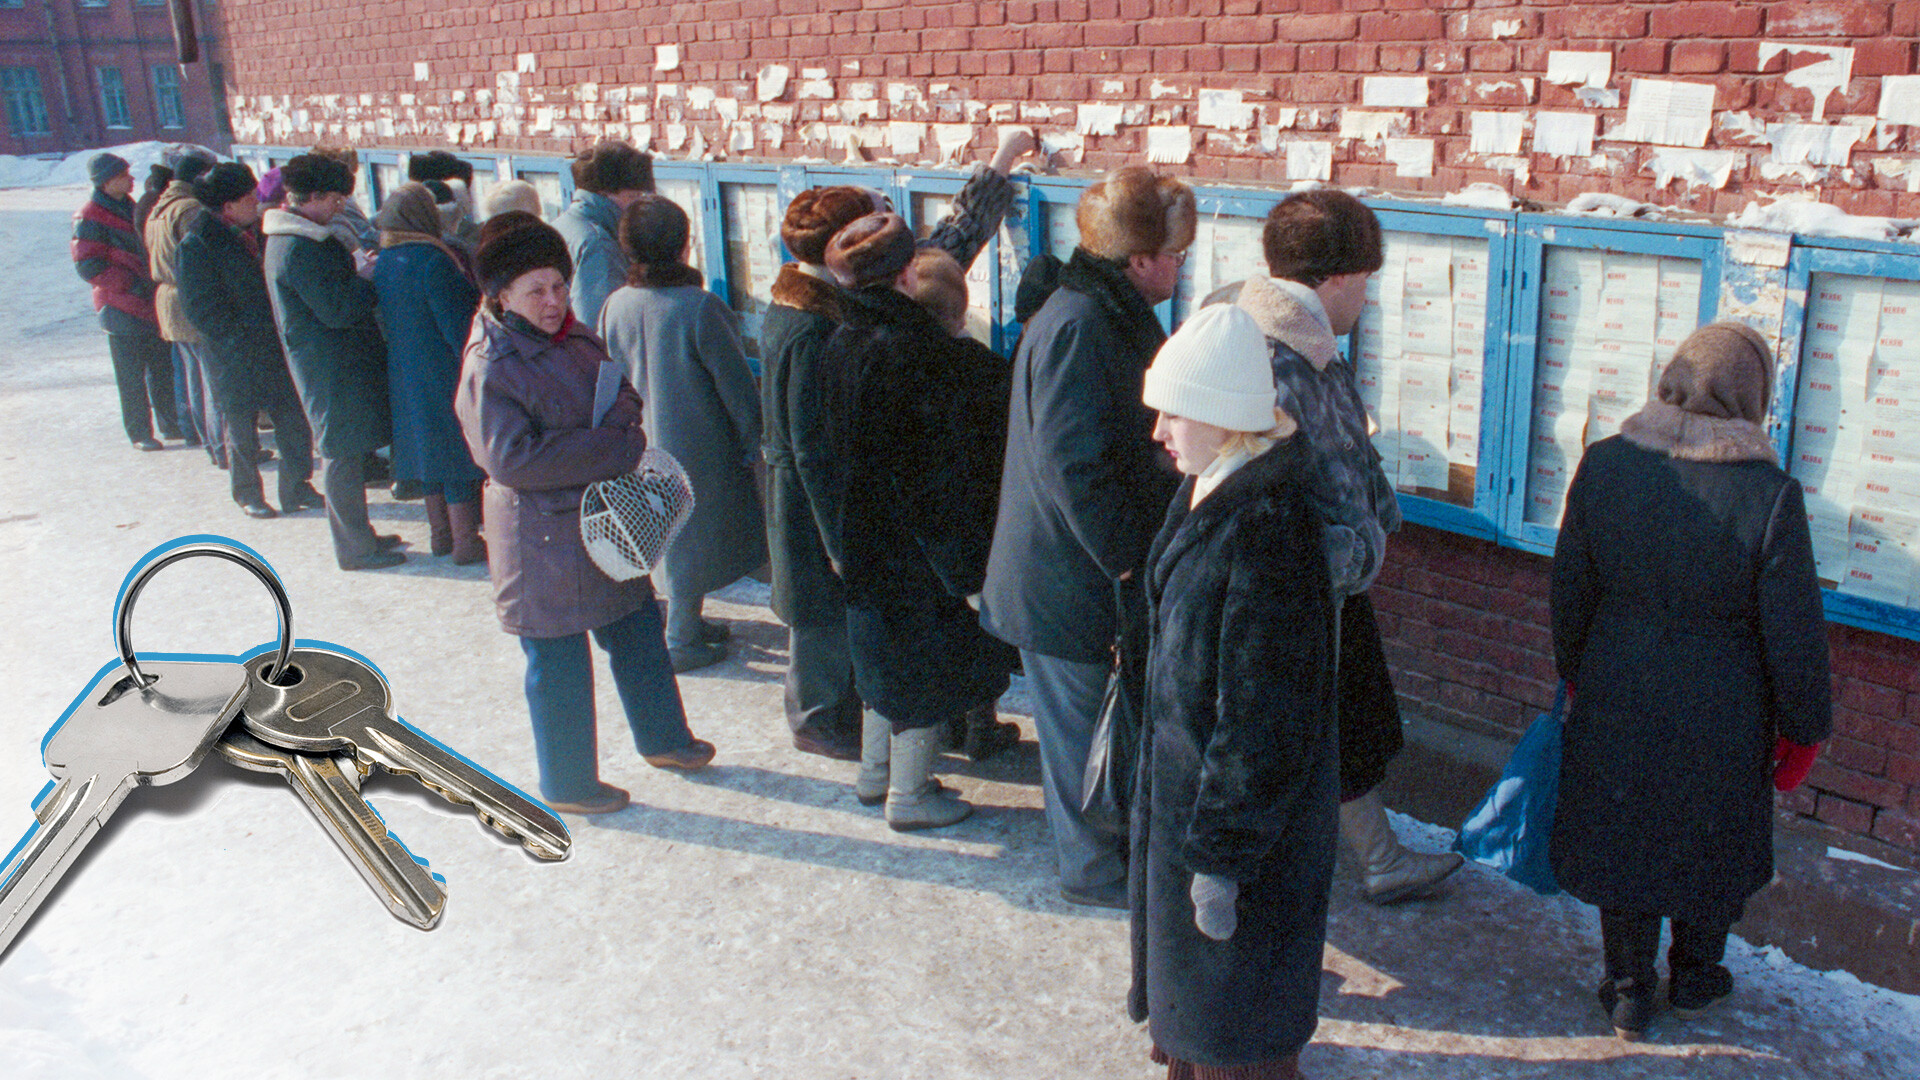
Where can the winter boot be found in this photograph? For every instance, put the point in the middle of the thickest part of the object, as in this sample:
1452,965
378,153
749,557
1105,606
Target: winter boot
876,736
987,734
439,528
468,546
914,799
1389,873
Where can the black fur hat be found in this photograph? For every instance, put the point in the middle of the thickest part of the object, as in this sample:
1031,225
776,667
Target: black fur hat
514,251
313,174
222,184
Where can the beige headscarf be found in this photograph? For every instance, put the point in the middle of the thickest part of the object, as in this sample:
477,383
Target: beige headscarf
1713,399
409,216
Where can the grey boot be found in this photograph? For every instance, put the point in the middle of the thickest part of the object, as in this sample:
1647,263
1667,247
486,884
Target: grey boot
870,786
914,799
1389,872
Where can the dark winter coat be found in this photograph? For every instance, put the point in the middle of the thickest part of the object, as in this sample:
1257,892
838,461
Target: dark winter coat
525,403
426,306
223,295
804,314
591,227
110,256
325,313
681,348
1239,773
1084,485
1687,617
1318,389
916,440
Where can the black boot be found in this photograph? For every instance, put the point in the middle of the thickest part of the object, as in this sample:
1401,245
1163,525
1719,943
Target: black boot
1630,991
987,734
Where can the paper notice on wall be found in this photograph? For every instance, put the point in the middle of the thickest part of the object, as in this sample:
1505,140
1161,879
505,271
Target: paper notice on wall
1812,144
1225,109
1169,145
1563,133
1497,132
526,63
772,82
1463,425
666,57
1822,77
952,139
1371,126
1394,92
1309,161
905,136
1410,157
1103,119
1879,570
1579,68
1667,113
1900,99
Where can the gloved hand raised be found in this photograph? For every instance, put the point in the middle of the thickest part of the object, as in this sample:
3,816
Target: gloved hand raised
1213,900
1791,763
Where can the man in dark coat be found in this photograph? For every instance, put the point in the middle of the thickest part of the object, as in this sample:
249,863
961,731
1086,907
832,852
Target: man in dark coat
1084,488
1687,616
108,254
1321,247
823,707
223,296
324,309
908,514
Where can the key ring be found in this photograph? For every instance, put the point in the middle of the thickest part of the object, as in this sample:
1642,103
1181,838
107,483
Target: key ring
123,614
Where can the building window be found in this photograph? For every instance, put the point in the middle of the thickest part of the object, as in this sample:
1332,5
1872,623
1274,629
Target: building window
93,3
113,98
166,96
26,106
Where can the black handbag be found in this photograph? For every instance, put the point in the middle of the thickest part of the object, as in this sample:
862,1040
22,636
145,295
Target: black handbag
1106,793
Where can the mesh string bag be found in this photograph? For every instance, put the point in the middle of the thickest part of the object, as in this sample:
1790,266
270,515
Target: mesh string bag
628,522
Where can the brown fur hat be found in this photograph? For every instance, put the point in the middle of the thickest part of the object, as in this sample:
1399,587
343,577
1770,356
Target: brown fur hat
871,251
1315,235
816,214
1725,370
517,248
1134,212
612,166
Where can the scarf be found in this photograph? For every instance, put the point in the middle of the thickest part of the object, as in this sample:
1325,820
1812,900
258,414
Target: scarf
1229,463
1107,284
410,216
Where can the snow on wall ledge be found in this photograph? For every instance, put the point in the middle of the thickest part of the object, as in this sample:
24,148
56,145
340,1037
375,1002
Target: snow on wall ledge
1703,128
1696,105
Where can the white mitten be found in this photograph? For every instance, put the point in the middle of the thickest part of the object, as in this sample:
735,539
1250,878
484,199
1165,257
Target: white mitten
1213,900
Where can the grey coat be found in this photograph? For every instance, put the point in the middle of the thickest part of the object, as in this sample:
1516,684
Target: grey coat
525,404
681,347
325,313
591,225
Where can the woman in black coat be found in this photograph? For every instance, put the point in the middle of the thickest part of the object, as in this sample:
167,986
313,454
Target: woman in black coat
913,486
1236,807
1687,617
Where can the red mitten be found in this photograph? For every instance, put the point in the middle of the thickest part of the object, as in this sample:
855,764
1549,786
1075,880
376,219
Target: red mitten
1791,763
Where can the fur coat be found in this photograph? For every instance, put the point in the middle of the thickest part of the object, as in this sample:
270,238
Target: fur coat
804,314
1239,770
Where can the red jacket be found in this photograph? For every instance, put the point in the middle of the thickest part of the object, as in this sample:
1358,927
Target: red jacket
108,254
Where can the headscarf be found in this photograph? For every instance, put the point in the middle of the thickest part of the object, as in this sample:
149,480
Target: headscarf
410,216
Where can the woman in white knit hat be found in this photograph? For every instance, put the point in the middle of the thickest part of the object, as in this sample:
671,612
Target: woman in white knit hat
1236,816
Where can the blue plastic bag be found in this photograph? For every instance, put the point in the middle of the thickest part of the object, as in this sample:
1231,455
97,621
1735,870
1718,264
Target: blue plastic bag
1512,826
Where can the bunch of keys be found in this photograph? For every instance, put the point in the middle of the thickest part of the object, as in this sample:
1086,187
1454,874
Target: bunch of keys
317,715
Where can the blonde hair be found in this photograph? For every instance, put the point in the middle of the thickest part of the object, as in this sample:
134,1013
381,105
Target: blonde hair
939,285
1257,442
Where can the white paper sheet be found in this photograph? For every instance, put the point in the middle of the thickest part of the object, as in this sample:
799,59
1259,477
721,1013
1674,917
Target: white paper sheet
1900,99
1309,161
1812,144
1563,133
1098,119
1497,132
771,83
905,136
1169,145
1822,77
1667,113
1410,157
1879,570
1591,69
665,58
1394,92
1370,126
1225,109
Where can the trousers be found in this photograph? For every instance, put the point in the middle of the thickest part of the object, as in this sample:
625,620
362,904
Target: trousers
820,695
1066,706
143,372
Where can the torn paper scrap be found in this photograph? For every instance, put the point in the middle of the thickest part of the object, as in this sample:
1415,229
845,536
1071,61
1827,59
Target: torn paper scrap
814,85
1812,144
676,136
1598,97
1067,146
1410,157
698,149
420,71
1497,132
1169,145
1699,168
1394,92
1900,99
1226,109
740,136
952,139
1309,161
1370,126
905,136
772,82
666,57
1591,69
1822,77
1667,113
1563,133
1098,119
524,63
700,97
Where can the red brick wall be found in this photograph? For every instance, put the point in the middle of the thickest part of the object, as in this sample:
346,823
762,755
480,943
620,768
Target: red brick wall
1468,640
1477,55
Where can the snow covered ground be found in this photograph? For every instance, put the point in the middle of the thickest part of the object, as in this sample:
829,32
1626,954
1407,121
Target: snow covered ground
751,921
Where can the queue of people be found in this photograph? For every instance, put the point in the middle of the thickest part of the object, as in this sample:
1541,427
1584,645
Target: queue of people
937,517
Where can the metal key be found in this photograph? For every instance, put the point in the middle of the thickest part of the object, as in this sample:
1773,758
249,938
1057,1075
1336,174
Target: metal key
115,736
336,702
412,892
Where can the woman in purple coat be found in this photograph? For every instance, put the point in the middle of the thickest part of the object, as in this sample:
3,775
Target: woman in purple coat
525,401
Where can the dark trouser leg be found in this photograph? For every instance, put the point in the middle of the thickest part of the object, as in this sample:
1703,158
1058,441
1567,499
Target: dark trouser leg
156,369
207,415
294,440
1696,976
642,672
683,618
1066,705
243,446
1631,940
185,402
820,695
560,700
1370,733
347,508
130,377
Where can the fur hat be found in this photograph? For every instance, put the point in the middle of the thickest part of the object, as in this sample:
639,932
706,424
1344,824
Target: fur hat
816,214
517,249
1214,369
1134,212
612,166
193,165
510,195
314,174
940,286
439,165
504,221
1311,236
222,184
104,167
871,251
1724,370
